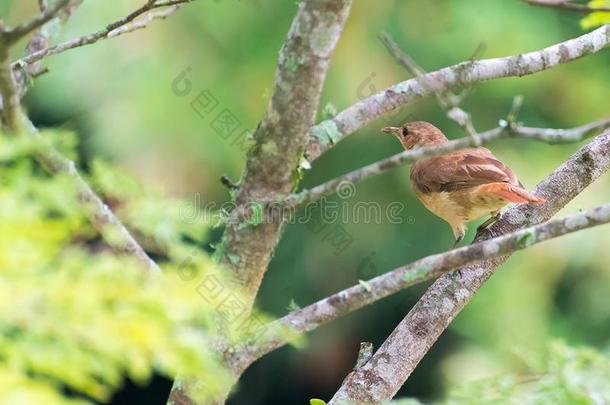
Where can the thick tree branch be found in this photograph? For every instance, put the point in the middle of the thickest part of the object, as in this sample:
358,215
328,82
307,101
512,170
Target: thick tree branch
282,134
566,5
9,92
111,30
329,132
396,359
280,139
548,135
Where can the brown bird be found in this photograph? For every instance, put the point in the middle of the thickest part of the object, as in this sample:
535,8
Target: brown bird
460,186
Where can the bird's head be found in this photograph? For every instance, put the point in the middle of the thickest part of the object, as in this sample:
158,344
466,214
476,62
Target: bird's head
417,134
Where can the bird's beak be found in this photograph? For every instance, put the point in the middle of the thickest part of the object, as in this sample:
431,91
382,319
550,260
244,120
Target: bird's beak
391,130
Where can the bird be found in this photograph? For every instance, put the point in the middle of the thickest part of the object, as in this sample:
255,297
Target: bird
462,185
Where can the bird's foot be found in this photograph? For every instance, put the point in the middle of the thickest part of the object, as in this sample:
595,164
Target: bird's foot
457,241
481,232
485,227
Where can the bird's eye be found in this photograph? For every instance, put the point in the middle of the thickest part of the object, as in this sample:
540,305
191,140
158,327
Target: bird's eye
405,131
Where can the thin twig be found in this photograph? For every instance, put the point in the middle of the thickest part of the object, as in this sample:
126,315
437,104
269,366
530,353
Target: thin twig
143,23
41,40
96,36
566,5
446,99
327,133
14,34
547,135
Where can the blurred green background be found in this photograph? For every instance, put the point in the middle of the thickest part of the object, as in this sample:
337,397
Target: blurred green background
119,97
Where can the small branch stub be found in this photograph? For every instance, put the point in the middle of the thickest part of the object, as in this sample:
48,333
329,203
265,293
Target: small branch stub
364,354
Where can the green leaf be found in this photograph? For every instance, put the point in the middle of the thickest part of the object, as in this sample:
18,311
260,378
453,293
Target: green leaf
233,258
304,164
329,111
526,240
365,284
292,306
327,132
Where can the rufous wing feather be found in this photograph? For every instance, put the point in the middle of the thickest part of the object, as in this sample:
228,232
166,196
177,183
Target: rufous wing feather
511,193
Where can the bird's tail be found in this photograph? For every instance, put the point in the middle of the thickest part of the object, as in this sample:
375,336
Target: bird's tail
512,193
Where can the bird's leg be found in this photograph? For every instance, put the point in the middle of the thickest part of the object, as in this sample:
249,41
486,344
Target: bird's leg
459,230
489,222
458,239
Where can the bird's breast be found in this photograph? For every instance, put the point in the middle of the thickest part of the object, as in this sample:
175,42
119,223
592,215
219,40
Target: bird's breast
460,206
442,205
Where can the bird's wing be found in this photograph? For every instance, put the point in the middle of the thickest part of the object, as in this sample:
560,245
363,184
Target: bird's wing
460,170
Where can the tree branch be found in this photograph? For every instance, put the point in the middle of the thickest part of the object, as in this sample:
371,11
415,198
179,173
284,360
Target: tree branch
386,372
99,214
280,139
9,92
282,134
41,40
548,135
48,13
446,99
566,5
101,34
17,123
147,19
327,133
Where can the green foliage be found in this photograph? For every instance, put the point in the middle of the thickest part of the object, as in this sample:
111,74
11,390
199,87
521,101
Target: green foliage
329,111
298,173
327,132
569,376
596,18
164,222
292,306
365,285
75,315
526,240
